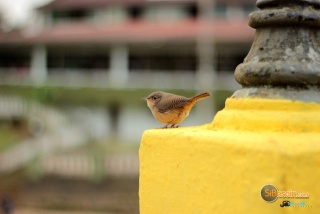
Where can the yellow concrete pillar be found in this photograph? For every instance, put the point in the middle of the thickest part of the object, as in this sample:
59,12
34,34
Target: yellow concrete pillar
222,167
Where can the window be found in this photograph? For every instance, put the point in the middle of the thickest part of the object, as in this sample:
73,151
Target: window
248,8
14,60
165,12
71,15
220,10
192,11
163,63
74,61
135,12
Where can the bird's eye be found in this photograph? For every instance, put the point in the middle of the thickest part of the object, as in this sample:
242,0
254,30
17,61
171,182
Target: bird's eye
154,98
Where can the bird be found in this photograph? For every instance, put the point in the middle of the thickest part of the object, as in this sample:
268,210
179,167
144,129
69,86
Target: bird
171,109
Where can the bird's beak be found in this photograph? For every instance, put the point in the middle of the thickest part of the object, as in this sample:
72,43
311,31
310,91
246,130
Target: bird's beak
144,98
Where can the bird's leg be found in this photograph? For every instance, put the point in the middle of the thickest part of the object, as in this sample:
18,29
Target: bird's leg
174,126
166,126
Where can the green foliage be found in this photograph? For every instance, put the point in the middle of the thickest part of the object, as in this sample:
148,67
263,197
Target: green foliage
7,137
97,96
220,98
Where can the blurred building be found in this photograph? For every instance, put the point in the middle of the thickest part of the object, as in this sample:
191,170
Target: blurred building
125,43
105,45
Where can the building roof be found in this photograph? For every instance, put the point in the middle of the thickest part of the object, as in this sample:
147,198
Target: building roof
79,4
131,32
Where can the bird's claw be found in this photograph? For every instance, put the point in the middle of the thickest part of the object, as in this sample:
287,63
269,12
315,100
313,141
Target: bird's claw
167,126
174,126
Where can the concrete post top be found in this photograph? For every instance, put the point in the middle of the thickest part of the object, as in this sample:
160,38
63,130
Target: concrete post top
286,49
286,12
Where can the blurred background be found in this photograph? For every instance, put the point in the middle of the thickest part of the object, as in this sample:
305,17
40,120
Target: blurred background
72,73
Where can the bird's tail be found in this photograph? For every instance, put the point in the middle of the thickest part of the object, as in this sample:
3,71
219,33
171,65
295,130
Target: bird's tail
199,97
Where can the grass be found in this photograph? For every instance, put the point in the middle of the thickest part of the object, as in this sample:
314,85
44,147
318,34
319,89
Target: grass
96,96
7,137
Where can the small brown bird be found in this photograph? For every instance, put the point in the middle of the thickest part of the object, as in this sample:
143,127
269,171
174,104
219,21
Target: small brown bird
171,109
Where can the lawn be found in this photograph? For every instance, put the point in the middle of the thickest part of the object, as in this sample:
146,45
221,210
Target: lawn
9,136
97,96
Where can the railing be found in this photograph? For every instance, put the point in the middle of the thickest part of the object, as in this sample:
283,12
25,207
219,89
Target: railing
54,132
83,165
57,132
134,79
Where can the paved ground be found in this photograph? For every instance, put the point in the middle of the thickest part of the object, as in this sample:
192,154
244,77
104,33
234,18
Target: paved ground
34,211
70,196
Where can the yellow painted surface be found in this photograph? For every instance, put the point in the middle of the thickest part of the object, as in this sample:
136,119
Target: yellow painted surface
221,167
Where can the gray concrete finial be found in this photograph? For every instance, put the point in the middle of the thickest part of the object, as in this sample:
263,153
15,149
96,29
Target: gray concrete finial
286,48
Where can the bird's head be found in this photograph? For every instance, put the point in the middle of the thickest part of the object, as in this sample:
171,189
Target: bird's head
153,98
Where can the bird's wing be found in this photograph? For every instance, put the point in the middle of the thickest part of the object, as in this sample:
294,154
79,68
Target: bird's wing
172,103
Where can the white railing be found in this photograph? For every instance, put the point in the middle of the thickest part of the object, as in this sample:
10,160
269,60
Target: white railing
83,165
134,79
56,132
